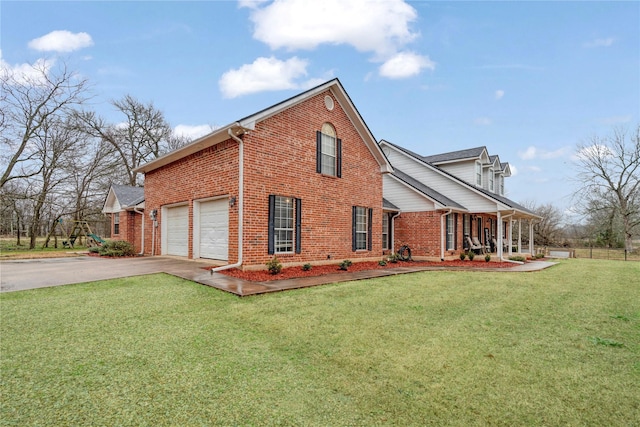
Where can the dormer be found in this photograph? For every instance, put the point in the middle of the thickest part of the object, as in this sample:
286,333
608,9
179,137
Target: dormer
469,165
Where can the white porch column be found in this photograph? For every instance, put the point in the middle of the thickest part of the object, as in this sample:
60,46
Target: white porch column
510,236
499,236
531,245
520,236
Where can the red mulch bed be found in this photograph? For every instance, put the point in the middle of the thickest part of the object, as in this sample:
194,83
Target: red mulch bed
320,270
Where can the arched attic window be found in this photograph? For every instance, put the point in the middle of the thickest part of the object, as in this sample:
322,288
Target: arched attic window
329,151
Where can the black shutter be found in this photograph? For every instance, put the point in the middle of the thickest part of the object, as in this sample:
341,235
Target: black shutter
298,225
369,230
318,151
272,214
339,158
353,228
455,231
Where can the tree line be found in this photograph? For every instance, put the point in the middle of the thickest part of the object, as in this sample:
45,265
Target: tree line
59,157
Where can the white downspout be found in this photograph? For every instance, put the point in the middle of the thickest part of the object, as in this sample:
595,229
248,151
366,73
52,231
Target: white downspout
240,201
393,231
142,237
443,241
504,218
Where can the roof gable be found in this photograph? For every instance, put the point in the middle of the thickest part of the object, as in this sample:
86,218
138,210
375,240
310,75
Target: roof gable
121,197
248,123
507,203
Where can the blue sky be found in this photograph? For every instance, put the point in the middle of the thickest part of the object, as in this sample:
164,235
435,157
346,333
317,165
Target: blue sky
528,80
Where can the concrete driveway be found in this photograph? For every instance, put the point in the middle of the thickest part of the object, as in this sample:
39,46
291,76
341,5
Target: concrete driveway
17,275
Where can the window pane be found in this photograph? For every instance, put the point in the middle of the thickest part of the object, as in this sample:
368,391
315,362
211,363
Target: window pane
361,228
283,224
328,158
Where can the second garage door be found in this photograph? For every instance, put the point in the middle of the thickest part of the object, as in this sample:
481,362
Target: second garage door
214,229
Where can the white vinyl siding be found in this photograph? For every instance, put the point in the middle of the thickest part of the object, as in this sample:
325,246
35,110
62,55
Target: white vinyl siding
465,196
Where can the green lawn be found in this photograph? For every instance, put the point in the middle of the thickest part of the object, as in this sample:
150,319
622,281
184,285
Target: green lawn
556,347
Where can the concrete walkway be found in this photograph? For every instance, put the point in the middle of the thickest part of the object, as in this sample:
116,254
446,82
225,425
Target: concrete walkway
39,273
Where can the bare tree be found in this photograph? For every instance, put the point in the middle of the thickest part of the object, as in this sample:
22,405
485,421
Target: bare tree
548,230
143,136
55,143
28,101
609,178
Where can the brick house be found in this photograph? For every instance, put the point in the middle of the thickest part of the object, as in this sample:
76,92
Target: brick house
300,180
453,202
125,205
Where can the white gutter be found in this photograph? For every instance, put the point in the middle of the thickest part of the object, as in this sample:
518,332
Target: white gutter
240,199
443,241
509,246
142,243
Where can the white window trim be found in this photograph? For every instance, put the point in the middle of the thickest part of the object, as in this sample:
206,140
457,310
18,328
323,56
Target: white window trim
478,173
291,229
385,231
491,180
366,227
324,154
450,230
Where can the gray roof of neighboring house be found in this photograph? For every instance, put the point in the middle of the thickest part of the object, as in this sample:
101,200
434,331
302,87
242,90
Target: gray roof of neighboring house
128,195
388,205
470,153
427,191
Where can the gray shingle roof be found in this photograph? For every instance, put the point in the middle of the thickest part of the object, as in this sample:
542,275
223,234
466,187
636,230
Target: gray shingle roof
427,191
388,205
128,195
470,153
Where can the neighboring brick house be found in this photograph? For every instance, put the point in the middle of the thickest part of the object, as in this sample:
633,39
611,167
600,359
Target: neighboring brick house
125,206
450,199
300,180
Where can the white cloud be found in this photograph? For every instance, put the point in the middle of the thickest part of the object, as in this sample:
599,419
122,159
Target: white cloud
405,64
536,153
499,94
61,41
369,26
533,169
592,152
614,120
514,169
266,74
192,132
482,121
599,42
32,74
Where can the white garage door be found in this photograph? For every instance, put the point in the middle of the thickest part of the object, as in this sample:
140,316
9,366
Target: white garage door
214,229
178,231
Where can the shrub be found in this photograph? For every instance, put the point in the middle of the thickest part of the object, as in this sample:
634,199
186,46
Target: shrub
462,256
538,256
382,263
117,248
472,255
306,267
274,266
517,258
94,249
344,265
393,258
487,257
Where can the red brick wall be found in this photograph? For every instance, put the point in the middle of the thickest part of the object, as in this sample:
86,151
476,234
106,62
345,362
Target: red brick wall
130,228
208,173
280,159
421,231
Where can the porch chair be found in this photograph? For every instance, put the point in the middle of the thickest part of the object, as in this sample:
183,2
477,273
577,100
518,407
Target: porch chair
477,248
477,243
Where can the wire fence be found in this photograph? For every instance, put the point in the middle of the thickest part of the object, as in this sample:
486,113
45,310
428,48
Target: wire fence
596,253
